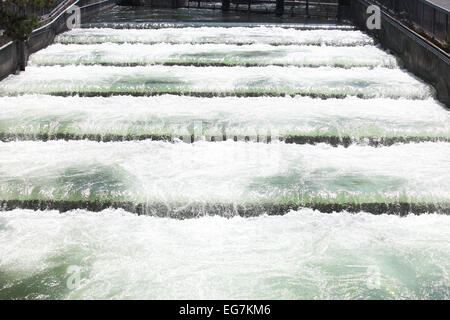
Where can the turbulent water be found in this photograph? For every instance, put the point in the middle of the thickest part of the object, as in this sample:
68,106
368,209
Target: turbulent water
289,144
32,116
303,254
203,35
213,54
270,80
224,173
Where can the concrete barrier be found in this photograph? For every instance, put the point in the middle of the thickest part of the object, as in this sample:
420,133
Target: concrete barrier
14,55
419,56
194,210
9,59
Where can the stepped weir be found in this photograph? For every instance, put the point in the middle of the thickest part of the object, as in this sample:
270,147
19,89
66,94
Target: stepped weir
303,91
197,115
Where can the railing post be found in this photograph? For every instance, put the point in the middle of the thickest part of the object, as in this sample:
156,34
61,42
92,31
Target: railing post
446,28
433,22
23,55
225,5
279,11
423,14
307,8
416,13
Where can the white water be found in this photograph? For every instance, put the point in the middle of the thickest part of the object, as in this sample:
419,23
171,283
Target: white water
326,81
226,172
237,35
302,255
174,115
257,54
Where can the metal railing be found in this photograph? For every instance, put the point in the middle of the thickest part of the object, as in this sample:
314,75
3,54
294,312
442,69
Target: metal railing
45,14
315,8
57,5
429,17
39,12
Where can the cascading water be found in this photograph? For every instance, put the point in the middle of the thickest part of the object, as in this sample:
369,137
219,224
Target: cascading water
325,136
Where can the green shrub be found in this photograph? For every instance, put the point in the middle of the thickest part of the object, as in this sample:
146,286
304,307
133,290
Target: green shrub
18,18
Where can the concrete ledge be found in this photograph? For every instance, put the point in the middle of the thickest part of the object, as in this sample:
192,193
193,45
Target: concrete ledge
293,139
419,56
194,210
14,55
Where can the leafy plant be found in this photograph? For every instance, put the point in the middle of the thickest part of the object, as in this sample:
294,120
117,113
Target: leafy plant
18,18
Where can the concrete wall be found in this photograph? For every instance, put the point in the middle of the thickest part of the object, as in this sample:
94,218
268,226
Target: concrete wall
13,56
419,56
8,60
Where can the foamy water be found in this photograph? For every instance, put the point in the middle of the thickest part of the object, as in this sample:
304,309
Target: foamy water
302,255
214,54
323,81
236,35
228,172
86,86
35,115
